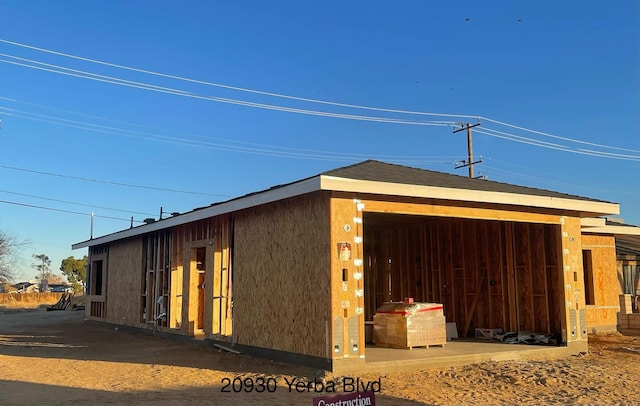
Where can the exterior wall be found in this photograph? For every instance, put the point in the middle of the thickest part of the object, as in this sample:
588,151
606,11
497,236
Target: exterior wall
295,290
347,281
602,312
96,304
281,294
574,315
564,293
124,282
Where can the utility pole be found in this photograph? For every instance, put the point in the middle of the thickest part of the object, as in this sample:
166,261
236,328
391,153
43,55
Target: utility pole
470,162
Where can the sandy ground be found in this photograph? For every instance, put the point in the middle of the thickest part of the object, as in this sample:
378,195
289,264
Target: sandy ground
55,358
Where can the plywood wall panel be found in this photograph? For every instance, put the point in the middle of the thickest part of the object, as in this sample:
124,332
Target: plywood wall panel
602,314
573,279
281,275
124,280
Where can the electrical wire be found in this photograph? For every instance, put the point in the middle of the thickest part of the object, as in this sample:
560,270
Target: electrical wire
520,139
557,136
542,143
149,72
486,131
145,86
66,211
108,182
335,156
420,158
76,204
269,150
41,106
494,133
241,89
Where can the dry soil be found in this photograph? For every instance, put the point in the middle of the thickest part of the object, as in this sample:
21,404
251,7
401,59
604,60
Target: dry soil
56,358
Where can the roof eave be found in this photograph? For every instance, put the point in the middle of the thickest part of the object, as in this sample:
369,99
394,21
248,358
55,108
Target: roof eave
268,196
613,230
586,208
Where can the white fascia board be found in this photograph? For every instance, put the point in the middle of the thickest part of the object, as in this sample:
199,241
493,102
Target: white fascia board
268,196
593,222
467,195
615,230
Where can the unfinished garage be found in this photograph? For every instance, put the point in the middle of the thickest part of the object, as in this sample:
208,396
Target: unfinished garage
487,274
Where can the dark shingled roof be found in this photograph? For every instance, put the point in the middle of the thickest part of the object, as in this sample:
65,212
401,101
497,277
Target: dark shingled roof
384,172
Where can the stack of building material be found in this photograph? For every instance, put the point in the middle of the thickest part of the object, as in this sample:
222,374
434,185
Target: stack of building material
63,303
408,325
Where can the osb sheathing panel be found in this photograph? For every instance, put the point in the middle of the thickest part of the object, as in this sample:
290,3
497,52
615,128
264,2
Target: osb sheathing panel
606,287
124,281
439,208
347,277
281,296
572,277
603,254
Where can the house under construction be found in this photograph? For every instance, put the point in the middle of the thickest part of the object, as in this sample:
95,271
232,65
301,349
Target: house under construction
297,272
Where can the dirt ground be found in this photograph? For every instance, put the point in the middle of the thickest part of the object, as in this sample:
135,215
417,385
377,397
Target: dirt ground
55,358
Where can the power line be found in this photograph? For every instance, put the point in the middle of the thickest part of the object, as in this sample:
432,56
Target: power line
544,144
76,204
312,154
149,72
505,136
66,211
241,89
336,156
268,150
145,86
109,182
41,106
557,136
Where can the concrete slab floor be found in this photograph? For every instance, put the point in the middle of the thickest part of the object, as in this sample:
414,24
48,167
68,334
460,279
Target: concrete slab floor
455,353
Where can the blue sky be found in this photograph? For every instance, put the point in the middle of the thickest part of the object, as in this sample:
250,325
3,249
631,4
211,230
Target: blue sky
563,76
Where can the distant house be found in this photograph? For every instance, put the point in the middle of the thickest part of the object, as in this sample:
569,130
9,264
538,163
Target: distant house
57,287
294,272
7,288
27,287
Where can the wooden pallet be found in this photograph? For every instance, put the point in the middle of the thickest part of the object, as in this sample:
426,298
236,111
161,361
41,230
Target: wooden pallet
400,347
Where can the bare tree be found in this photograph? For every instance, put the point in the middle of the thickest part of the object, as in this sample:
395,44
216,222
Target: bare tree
9,255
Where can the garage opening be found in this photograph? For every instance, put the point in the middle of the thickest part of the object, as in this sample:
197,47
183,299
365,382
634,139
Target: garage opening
487,274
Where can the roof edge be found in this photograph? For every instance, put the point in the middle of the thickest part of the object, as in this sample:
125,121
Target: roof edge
589,208
270,195
610,229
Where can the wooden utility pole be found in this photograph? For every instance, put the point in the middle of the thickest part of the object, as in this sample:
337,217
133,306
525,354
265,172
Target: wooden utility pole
469,162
